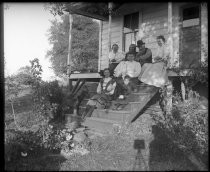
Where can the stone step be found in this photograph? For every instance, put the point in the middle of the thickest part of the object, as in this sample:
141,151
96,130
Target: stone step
93,133
100,125
121,115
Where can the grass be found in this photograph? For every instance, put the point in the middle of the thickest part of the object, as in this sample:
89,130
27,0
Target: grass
116,152
111,152
106,153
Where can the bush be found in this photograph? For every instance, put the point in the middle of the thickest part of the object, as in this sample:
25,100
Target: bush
187,125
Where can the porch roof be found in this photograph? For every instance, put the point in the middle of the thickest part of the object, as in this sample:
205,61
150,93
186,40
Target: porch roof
98,11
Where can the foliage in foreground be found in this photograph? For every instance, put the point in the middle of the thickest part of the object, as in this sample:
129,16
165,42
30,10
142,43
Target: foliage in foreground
32,129
187,125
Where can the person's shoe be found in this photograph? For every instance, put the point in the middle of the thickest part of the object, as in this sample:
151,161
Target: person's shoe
121,97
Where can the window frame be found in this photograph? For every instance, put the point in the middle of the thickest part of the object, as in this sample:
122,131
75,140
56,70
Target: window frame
124,33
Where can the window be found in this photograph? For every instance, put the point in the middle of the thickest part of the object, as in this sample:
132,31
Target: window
191,13
131,21
129,38
130,30
190,37
190,16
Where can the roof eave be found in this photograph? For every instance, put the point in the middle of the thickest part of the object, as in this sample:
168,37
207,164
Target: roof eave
83,13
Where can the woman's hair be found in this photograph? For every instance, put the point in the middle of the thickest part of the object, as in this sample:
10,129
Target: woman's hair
128,53
132,45
114,45
161,37
106,69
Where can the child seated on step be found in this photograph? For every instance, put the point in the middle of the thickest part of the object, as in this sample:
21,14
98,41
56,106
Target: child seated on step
105,92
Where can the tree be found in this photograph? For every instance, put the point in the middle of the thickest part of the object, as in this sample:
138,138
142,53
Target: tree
55,8
84,44
12,89
24,75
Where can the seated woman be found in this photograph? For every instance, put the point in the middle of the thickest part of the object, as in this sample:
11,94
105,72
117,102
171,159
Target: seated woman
105,91
115,57
155,73
130,68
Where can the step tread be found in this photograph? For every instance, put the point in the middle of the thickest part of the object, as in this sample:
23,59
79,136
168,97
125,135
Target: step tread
138,102
95,132
111,111
139,93
101,120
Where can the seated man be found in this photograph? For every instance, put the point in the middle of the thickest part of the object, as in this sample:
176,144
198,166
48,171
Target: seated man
115,57
129,68
144,55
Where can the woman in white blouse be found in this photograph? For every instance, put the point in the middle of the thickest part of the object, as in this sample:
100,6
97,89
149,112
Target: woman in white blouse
115,57
155,73
105,91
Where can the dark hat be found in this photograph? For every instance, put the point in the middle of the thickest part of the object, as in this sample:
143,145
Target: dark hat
140,43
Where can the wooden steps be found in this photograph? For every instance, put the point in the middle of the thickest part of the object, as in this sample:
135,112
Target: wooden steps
102,120
99,124
121,115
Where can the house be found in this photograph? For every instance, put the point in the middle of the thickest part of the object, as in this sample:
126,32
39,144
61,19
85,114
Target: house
184,25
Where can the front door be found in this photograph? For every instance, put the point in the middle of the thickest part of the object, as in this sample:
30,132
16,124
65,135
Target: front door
190,37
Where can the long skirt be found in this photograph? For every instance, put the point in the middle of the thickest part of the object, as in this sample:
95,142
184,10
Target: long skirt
154,74
99,100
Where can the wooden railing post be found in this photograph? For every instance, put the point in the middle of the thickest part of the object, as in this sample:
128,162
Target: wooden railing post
110,5
170,32
204,32
169,96
69,59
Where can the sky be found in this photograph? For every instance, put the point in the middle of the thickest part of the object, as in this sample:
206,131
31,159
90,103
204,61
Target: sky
25,37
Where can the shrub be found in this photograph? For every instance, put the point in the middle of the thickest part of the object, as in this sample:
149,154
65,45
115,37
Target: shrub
187,125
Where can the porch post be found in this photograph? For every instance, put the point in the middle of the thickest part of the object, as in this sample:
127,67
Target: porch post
110,5
69,59
99,52
183,90
204,31
170,32
169,87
